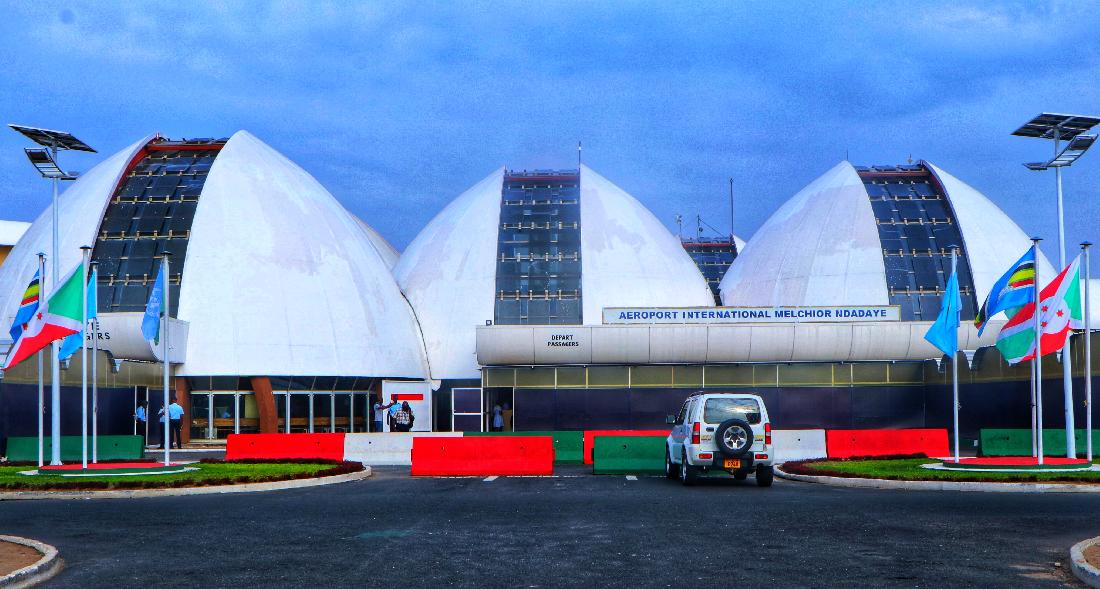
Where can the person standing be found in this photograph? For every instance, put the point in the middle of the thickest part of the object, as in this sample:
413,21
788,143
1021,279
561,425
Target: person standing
498,419
403,418
141,422
378,411
507,414
175,422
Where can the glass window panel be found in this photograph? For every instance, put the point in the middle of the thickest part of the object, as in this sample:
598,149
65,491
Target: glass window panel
223,383
500,377
869,373
764,375
805,374
572,376
534,378
687,376
651,376
906,373
608,376
728,375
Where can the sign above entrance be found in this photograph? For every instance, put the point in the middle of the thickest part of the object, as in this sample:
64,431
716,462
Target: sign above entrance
727,315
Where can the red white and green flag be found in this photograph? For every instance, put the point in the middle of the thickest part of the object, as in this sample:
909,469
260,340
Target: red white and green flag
59,316
1059,314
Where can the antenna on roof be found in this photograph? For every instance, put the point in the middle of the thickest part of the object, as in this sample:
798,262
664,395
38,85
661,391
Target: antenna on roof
846,155
910,160
731,209
680,226
579,148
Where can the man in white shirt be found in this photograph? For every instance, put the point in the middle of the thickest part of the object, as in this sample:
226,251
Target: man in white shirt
175,418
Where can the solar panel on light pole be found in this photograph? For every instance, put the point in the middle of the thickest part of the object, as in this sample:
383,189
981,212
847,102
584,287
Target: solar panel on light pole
1059,127
45,161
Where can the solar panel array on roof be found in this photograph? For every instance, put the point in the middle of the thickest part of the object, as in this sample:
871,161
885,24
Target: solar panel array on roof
917,229
538,277
150,213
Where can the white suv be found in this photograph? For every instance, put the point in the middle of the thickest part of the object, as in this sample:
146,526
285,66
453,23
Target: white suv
720,433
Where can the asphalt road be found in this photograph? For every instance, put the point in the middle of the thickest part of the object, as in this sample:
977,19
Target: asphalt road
575,531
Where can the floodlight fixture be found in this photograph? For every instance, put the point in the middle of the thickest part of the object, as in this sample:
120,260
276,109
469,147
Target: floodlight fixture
1074,150
53,139
46,165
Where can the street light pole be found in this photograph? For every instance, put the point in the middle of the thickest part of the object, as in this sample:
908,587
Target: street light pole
1067,358
55,347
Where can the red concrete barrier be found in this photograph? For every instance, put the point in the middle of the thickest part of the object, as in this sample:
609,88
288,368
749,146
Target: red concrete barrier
846,443
262,446
483,456
590,437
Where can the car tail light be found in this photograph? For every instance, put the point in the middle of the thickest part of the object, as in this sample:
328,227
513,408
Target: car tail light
760,456
706,456
695,433
767,434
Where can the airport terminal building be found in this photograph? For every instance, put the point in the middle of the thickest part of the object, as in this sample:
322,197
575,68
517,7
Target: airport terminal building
553,292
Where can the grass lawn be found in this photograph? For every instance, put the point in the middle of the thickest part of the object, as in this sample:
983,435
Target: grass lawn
209,473
909,469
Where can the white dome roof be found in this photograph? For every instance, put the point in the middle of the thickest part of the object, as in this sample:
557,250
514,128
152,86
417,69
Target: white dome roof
822,246
281,280
448,273
278,278
12,231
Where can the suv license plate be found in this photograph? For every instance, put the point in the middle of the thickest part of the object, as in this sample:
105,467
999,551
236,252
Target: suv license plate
731,463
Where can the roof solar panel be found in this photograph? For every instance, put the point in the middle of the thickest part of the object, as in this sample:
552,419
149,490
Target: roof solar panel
49,138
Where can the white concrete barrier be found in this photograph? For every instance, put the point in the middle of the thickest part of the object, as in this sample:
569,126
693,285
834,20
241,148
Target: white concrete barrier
385,449
798,444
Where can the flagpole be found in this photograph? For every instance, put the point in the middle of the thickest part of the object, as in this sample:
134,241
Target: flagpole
95,366
85,253
1034,447
955,366
41,384
164,351
1088,359
1038,360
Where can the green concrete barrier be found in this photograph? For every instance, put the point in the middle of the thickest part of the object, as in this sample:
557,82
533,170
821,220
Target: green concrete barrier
1017,442
628,455
25,449
568,445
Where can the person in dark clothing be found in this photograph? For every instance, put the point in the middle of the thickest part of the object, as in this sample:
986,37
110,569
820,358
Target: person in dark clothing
403,419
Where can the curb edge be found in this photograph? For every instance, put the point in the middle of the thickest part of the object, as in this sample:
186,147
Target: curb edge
1084,571
861,483
29,576
176,492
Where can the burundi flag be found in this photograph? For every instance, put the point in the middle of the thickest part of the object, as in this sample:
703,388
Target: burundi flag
1059,314
57,317
27,307
1012,291
71,344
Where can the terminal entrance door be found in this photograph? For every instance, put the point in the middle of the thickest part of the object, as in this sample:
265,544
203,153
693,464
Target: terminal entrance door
466,410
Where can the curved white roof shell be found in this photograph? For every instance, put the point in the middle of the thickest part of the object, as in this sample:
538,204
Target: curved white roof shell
448,272
281,280
278,279
11,231
385,250
80,209
822,246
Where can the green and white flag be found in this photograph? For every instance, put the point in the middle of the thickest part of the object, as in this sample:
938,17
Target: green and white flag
1059,314
59,316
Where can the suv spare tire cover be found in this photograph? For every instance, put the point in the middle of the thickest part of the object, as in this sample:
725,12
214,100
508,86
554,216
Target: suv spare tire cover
727,444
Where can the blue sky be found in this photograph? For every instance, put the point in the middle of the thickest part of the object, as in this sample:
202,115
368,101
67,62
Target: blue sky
397,108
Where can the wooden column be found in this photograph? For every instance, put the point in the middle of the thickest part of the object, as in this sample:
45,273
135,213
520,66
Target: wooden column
183,397
265,405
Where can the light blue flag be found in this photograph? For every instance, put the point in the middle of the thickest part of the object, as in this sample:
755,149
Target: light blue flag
944,333
150,324
71,344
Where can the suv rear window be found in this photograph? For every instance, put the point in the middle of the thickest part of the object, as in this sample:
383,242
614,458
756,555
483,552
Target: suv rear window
720,409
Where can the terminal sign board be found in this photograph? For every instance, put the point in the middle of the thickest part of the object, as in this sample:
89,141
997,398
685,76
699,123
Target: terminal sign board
732,315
